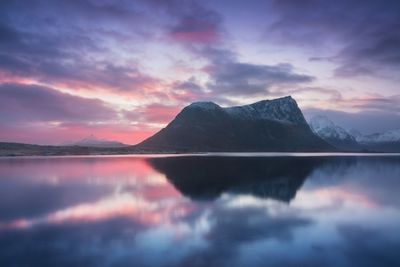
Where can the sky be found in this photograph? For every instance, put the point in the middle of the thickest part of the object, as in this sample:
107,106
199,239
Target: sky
121,70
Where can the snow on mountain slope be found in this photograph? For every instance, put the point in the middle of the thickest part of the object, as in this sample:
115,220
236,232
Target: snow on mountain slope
355,133
388,136
283,109
326,129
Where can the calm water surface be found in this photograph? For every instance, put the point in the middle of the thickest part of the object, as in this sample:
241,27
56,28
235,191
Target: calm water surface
200,211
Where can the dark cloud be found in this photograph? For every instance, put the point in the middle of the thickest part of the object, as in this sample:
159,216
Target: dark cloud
189,85
199,29
216,55
229,76
30,103
195,23
380,104
63,59
73,43
366,33
79,43
237,78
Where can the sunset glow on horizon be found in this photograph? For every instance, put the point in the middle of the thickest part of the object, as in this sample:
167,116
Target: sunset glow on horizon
121,70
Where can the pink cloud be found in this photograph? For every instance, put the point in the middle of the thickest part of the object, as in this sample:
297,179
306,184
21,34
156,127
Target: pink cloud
155,113
196,37
57,134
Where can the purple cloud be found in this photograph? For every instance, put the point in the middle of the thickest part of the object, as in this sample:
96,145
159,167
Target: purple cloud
21,103
365,33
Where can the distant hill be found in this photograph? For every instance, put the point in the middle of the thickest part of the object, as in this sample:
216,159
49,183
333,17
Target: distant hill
268,125
354,140
388,141
93,141
18,149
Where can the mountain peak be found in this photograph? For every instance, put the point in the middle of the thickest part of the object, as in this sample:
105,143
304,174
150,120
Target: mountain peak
204,105
284,98
90,137
281,100
283,109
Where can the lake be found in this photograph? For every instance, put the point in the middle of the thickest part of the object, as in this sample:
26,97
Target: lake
196,210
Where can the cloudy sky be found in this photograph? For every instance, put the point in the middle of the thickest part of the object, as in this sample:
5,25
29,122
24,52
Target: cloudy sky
122,69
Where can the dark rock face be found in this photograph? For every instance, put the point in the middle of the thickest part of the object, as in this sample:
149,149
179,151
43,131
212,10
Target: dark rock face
269,125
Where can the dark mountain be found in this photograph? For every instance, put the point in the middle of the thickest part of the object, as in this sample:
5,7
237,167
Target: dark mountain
268,125
206,178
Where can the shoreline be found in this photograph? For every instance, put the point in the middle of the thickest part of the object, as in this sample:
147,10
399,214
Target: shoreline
14,150
212,154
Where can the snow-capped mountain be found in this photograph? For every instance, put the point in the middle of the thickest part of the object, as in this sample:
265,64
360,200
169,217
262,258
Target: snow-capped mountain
268,125
283,109
333,134
388,136
355,133
93,141
388,141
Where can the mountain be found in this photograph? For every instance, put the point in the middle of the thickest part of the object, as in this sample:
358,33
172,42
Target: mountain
268,125
93,141
388,141
388,136
354,140
333,134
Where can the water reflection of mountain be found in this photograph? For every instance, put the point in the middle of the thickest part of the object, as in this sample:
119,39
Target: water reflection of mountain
206,178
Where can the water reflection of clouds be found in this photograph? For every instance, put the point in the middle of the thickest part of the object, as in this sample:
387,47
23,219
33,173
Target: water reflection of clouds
143,220
95,170
373,181
119,205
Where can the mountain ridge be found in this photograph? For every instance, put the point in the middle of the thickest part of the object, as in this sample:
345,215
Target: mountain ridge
354,140
276,125
267,125
93,141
